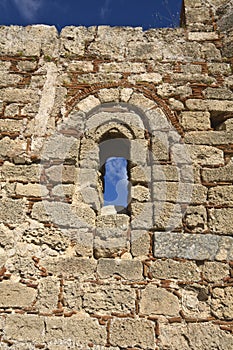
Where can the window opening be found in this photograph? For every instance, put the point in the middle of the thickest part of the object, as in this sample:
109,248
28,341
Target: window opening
116,183
114,153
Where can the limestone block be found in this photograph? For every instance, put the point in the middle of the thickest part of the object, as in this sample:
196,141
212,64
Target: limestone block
80,66
140,174
61,173
160,146
154,78
73,40
63,214
167,215
141,101
109,95
210,105
106,299
221,174
111,241
19,95
221,220
7,237
210,138
123,67
140,243
31,190
12,211
48,291
218,93
165,172
16,295
158,301
61,147
126,269
181,270
215,271
219,68
195,120
80,329
140,193
24,173
111,42
88,103
222,303
14,149
72,295
132,332
187,246
196,218
29,41
196,336
141,215
203,155
80,268
220,195
202,36
125,94
225,249
158,121
11,126
63,190
26,66
176,104
24,328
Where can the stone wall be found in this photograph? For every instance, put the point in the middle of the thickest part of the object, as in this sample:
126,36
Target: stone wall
73,273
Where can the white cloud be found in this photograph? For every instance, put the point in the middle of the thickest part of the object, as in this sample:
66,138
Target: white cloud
122,190
28,8
104,10
115,169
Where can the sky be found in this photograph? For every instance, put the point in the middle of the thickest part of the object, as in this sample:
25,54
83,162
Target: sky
116,182
61,13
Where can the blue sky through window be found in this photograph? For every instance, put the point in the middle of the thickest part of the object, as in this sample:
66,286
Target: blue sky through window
146,14
116,182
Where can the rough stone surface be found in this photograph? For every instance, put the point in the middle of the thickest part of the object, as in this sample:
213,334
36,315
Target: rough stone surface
127,269
157,301
16,295
155,272
129,332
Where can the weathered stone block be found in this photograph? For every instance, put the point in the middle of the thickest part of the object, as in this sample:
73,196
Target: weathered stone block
158,301
24,173
16,295
210,138
221,174
64,215
195,120
140,193
13,149
215,271
72,295
81,329
167,216
140,243
24,328
130,332
31,190
142,215
187,246
196,218
126,269
210,105
73,39
80,268
221,220
11,126
12,211
203,155
48,291
62,147
107,299
222,303
221,195
181,270
61,173
195,336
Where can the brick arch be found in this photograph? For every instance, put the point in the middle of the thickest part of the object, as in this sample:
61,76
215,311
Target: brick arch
147,90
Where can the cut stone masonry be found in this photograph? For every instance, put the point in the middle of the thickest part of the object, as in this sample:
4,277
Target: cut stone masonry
158,274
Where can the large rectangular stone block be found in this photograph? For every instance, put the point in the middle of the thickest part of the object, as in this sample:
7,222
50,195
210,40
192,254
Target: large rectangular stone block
126,269
16,295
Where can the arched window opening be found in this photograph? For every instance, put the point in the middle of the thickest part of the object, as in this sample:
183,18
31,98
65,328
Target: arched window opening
115,176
